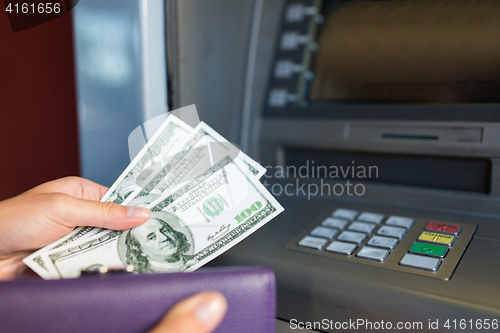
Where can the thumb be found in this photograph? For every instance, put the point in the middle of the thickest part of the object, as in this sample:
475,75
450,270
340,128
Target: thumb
109,215
201,313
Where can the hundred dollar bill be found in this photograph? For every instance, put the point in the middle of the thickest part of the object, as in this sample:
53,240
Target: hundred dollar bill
186,229
166,140
140,201
35,261
165,200
201,150
188,167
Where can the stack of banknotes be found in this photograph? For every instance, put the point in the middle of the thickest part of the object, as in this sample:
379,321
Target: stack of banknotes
204,195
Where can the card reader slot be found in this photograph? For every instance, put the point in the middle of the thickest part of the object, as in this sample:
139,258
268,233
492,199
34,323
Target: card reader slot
400,132
409,137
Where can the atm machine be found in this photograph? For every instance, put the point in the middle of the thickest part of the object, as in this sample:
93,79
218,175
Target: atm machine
410,88
379,124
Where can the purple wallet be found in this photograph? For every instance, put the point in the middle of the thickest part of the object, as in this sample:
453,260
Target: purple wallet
135,303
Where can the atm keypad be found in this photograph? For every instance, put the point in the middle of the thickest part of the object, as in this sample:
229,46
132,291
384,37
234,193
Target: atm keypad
428,250
404,243
345,214
328,233
420,262
436,238
384,242
352,237
362,227
446,228
371,217
398,221
313,242
372,253
341,247
332,222
389,231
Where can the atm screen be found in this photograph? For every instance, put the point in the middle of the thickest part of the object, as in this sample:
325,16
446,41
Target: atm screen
405,60
408,52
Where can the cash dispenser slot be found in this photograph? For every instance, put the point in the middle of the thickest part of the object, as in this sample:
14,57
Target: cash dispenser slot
433,172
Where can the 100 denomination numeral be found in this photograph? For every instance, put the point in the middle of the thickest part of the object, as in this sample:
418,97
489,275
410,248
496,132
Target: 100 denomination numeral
248,212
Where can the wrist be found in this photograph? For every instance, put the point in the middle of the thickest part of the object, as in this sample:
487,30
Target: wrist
12,266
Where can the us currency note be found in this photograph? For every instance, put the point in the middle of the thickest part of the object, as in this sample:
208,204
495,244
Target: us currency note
52,272
188,228
35,261
167,140
196,159
200,150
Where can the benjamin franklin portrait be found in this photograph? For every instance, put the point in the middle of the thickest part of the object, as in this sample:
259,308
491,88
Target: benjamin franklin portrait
162,244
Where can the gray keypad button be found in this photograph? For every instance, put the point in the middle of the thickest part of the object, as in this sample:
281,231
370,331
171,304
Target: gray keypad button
345,214
352,237
420,262
313,242
333,222
385,242
396,232
324,232
362,227
372,253
371,217
399,221
341,247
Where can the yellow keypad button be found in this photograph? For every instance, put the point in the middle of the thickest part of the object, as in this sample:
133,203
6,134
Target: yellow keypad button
437,238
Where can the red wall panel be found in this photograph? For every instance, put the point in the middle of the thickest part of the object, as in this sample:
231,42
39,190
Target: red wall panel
38,121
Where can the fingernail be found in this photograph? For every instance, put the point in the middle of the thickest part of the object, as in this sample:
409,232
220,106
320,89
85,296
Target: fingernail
211,310
137,212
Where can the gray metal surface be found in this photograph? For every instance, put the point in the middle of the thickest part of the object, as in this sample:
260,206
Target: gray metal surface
212,50
214,63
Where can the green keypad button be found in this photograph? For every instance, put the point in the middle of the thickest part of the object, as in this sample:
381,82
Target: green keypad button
429,250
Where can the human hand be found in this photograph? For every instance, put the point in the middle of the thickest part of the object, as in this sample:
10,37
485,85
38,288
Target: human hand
47,212
200,313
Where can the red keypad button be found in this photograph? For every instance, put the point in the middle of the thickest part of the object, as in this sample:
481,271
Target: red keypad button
447,228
